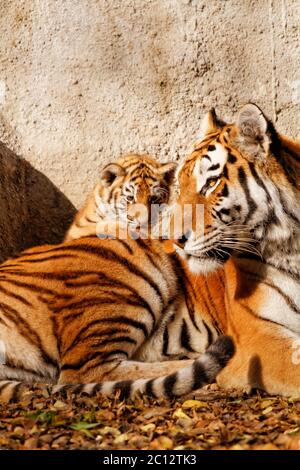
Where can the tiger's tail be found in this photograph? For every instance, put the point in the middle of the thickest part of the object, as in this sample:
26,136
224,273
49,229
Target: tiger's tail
201,372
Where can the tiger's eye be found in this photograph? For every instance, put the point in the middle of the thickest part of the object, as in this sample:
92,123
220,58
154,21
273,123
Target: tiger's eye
129,198
212,183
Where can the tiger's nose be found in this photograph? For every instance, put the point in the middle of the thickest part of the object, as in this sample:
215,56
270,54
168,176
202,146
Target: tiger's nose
183,239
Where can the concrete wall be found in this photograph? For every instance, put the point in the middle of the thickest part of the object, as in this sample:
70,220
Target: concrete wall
83,81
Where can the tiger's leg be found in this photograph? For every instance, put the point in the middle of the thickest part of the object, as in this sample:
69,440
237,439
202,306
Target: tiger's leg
165,379
128,377
265,358
119,369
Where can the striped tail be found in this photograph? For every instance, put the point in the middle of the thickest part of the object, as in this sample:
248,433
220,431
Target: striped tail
201,372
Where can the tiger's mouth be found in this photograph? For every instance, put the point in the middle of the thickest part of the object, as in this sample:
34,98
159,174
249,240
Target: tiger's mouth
221,255
205,262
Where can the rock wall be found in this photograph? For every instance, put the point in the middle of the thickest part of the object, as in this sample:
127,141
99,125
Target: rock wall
83,81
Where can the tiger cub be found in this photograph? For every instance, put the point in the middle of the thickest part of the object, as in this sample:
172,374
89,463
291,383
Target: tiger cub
126,192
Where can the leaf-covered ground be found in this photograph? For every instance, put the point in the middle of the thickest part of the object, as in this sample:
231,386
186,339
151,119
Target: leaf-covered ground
212,419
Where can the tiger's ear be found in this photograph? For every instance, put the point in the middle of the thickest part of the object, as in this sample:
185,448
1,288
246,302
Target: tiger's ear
168,171
209,124
253,129
110,172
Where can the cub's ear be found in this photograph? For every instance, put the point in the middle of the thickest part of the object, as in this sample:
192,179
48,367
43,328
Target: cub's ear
168,171
253,130
110,172
209,124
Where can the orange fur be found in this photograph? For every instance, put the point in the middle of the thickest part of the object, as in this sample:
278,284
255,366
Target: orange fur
264,349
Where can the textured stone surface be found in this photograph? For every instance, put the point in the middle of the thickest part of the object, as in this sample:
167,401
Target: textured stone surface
83,81
32,210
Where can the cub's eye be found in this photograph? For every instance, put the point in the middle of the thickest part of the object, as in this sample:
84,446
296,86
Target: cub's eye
210,186
129,198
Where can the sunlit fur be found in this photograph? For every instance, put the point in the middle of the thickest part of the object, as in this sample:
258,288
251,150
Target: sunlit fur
107,315
96,315
247,178
126,190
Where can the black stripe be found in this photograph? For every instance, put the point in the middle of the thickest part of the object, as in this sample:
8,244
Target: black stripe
287,272
218,358
115,299
259,181
285,209
118,339
101,252
78,388
90,357
165,341
185,337
98,387
124,386
225,172
271,218
224,211
9,363
168,384
231,158
149,389
65,389
115,283
209,333
214,167
90,221
119,319
48,258
292,153
200,377
256,315
109,254
32,287
212,303
26,330
189,303
290,303
125,245
95,334
153,257
15,296
225,191
252,206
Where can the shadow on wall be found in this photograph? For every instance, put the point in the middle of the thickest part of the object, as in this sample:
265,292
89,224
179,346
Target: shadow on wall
32,210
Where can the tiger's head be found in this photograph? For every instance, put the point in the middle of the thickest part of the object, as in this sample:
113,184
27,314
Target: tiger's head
243,178
130,187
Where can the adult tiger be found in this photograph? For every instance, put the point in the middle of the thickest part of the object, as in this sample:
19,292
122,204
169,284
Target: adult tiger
247,176
106,314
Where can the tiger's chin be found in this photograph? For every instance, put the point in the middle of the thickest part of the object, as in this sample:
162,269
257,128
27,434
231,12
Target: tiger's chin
206,263
203,265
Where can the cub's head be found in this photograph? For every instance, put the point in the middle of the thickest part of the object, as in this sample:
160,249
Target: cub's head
129,188
237,179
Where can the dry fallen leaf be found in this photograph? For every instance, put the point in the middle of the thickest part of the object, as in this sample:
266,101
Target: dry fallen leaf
210,419
194,404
